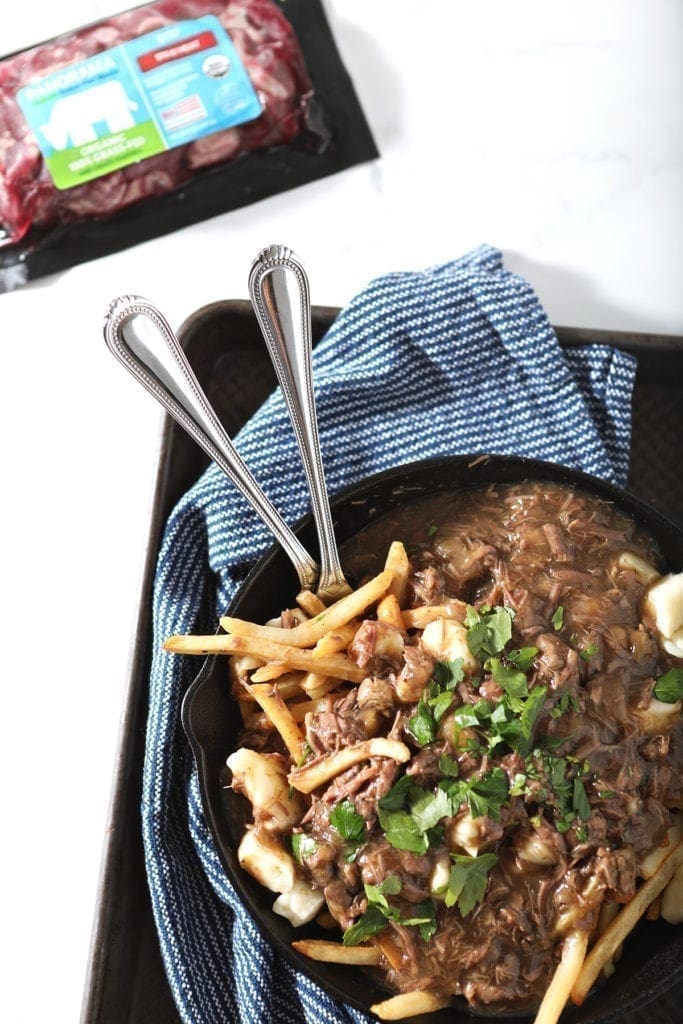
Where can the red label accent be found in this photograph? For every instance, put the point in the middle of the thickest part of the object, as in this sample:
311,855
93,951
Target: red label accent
193,44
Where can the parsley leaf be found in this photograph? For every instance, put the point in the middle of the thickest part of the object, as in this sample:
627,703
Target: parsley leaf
511,680
347,821
429,809
422,724
440,704
372,922
395,799
488,630
431,530
518,787
424,916
580,801
449,766
402,831
588,651
448,673
484,796
669,687
467,880
302,846
523,658
532,709
558,618
376,893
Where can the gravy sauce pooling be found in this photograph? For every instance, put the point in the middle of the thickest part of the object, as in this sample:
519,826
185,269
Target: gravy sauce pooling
571,801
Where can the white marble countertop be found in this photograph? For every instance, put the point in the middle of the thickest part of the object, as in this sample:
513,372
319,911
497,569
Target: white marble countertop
554,131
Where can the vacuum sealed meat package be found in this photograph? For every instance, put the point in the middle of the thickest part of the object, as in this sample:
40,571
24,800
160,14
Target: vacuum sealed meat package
161,116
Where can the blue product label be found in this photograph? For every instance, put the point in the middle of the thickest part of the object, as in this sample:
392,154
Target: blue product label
165,89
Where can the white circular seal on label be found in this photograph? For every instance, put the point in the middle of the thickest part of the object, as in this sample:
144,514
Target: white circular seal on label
216,65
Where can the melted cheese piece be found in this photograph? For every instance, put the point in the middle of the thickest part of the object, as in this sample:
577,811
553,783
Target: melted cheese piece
665,600
446,640
300,904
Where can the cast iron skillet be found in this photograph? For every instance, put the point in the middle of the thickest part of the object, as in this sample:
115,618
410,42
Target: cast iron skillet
652,964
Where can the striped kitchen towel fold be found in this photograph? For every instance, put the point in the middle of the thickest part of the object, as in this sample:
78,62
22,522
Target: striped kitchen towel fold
455,359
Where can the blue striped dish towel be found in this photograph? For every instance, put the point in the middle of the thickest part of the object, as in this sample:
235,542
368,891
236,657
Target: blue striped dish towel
455,359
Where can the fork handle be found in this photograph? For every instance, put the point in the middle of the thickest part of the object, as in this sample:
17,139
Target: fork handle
139,336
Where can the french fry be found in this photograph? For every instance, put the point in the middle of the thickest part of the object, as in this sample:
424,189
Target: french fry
310,603
239,666
337,665
316,685
418,618
608,911
248,714
310,777
309,632
339,640
267,673
288,686
337,953
604,949
268,698
408,1004
397,563
388,610
298,709
564,978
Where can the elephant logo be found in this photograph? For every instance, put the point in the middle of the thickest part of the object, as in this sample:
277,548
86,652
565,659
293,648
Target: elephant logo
73,118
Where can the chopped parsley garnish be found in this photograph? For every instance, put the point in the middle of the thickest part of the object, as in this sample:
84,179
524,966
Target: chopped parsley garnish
380,912
558,618
403,832
428,810
424,916
567,700
347,821
484,795
377,893
488,629
436,699
518,787
431,530
588,651
669,687
372,922
448,673
422,724
523,658
580,801
302,846
448,766
467,880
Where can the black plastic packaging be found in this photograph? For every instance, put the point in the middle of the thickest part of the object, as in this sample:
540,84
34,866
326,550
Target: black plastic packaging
335,136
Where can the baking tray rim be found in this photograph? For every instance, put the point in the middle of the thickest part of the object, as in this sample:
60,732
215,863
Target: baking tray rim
638,343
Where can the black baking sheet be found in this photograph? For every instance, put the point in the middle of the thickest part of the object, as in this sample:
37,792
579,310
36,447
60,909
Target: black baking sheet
126,983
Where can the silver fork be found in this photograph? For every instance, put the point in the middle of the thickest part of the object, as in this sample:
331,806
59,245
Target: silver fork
139,336
280,295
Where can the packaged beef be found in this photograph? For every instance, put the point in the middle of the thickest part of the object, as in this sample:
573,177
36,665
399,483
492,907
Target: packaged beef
159,109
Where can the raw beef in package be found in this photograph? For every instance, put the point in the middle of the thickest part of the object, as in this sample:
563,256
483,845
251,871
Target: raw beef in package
161,116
